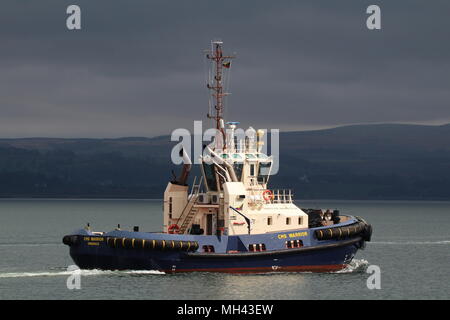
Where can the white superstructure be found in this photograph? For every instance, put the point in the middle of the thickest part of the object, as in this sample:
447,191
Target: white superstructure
232,196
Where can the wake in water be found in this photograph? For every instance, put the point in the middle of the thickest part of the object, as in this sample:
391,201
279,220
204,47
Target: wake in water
356,266
29,244
411,242
93,272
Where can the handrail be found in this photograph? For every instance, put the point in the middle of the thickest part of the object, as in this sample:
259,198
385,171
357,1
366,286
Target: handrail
190,203
278,196
193,186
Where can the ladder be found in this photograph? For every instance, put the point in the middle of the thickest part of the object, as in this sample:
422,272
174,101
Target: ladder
187,220
189,211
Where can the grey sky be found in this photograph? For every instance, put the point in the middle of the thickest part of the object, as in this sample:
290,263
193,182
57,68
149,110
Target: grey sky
137,67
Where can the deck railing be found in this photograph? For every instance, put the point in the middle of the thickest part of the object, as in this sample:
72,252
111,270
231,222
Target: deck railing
276,196
282,196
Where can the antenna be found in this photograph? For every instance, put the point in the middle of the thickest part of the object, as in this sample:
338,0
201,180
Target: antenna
220,61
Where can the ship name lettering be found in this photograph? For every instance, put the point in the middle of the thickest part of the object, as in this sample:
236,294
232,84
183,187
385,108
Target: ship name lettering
298,234
93,239
97,239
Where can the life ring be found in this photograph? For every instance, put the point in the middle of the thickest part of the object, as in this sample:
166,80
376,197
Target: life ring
173,227
268,195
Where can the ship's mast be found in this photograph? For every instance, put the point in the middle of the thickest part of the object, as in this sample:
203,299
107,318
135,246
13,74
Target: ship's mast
220,61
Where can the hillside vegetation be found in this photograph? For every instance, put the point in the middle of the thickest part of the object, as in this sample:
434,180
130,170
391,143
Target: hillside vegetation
353,162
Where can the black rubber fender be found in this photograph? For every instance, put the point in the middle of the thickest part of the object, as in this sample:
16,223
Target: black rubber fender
367,234
152,244
350,231
128,243
71,240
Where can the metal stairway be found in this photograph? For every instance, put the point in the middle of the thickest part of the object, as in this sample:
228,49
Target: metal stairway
189,211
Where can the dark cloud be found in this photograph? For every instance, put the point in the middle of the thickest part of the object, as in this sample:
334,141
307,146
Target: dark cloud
137,67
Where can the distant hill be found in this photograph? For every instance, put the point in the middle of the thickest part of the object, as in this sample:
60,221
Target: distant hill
385,161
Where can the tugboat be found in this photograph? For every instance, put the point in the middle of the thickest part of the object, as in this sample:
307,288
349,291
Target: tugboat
229,221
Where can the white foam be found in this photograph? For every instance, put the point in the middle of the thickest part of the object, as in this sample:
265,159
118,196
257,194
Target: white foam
143,272
356,265
34,274
28,244
411,242
94,272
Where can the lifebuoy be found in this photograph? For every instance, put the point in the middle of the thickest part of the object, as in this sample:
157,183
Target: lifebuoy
173,227
268,195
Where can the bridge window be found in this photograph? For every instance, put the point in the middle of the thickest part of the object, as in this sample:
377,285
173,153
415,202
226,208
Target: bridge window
263,171
238,170
300,220
288,220
269,221
210,176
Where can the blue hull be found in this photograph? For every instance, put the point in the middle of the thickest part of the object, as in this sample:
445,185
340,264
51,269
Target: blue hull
320,259
295,250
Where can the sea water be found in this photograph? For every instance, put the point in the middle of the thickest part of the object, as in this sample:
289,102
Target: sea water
410,245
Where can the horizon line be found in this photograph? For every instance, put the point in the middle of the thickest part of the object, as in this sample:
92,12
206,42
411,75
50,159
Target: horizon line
324,128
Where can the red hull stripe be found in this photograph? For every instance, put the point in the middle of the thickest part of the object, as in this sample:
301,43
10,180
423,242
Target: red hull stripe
323,268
